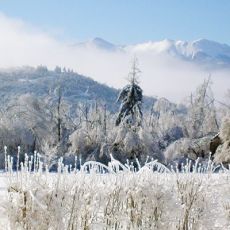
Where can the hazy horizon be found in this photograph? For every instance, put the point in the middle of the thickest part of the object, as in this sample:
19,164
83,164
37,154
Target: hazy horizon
29,40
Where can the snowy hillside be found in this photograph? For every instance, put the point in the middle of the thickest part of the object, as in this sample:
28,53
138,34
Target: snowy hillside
42,82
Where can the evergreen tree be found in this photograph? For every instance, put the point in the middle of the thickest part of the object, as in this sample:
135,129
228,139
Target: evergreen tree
130,141
131,100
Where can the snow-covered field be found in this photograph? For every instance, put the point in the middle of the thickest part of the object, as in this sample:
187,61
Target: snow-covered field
117,199
3,199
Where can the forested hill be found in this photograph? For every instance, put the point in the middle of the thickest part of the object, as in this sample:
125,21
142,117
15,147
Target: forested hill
41,82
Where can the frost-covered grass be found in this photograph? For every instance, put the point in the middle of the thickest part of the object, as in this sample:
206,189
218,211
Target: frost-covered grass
100,197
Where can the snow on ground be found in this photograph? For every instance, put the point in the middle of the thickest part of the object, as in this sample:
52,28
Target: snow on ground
3,198
124,200
99,197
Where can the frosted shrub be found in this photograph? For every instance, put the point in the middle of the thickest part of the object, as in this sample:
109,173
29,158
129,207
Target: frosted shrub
188,148
226,207
222,154
191,199
132,142
146,204
176,149
225,202
225,129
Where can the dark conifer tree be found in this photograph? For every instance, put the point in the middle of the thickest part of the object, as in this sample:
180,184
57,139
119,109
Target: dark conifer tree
131,100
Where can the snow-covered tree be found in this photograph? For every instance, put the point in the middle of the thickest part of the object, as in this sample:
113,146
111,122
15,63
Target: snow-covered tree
199,124
131,100
94,133
224,109
165,122
201,119
131,140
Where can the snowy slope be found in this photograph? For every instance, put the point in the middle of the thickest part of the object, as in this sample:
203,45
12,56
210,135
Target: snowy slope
42,82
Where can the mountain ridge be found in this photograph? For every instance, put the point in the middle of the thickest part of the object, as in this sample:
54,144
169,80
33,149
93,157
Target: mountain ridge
200,51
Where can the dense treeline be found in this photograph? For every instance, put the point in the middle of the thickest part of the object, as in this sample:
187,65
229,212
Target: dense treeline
170,132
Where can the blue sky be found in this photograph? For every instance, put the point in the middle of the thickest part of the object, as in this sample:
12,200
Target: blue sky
125,21
42,32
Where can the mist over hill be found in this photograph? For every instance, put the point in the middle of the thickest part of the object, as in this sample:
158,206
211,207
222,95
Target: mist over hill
41,82
170,68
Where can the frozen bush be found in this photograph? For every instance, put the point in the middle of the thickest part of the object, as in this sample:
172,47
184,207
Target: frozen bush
222,154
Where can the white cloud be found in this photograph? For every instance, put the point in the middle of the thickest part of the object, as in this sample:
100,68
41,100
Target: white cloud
21,44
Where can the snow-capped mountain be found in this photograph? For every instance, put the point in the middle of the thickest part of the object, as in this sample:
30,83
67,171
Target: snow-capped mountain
98,43
201,51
